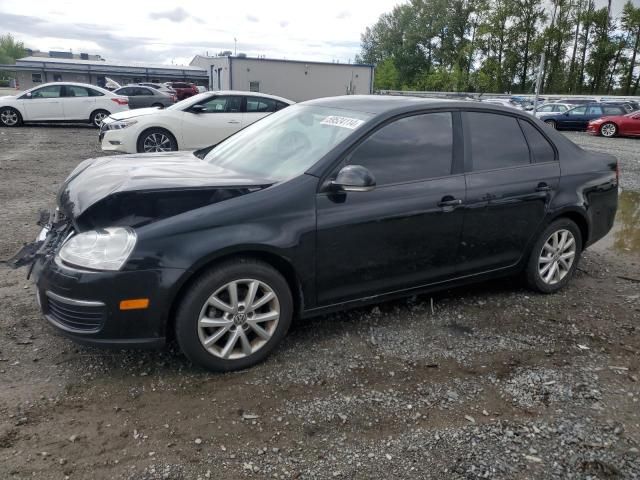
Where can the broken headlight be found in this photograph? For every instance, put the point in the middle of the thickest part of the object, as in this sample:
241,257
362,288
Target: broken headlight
120,124
103,249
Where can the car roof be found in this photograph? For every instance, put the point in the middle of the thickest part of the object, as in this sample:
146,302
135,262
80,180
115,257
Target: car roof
73,84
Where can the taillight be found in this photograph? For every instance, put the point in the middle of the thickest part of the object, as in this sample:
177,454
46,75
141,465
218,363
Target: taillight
120,101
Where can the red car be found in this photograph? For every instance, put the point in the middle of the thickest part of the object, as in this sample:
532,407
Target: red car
183,89
616,125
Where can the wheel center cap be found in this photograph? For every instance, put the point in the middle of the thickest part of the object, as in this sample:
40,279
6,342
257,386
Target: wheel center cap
239,319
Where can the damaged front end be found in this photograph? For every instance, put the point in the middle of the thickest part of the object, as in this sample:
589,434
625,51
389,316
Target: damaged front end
56,228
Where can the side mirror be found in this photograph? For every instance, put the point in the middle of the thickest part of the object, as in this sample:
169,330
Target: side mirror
354,178
198,108
28,95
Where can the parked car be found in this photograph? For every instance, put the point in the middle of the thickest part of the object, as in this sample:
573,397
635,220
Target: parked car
160,87
549,108
142,97
201,88
577,101
322,206
183,89
624,104
579,117
199,121
616,125
61,102
505,102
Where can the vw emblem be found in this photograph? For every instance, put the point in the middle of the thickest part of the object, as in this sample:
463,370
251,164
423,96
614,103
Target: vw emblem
239,319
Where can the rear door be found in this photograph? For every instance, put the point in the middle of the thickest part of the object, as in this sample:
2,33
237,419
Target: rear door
574,118
511,175
222,117
400,234
77,102
593,112
45,103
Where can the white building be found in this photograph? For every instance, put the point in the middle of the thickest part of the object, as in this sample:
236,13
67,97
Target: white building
292,79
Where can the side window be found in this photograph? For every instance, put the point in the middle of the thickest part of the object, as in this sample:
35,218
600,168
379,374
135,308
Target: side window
409,149
546,108
281,105
144,91
496,141
75,91
52,91
594,110
223,104
560,108
577,111
611,110
541,149
260,105
95,93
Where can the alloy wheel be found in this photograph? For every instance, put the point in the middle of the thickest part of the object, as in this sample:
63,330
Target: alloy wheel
551,123
557,256
238,319
9,117
157,142
608,130
98,118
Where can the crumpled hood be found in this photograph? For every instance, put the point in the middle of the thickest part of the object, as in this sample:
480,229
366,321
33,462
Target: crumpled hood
137,112
98,178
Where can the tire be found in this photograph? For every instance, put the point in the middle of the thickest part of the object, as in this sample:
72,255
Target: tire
158,105
608,129
545,256
156,140
552,124
10,117
97,117
210,347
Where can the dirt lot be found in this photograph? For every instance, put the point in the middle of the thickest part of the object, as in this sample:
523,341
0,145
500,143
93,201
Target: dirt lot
491,381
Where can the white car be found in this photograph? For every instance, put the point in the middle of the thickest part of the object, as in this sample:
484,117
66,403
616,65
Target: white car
61,102
551,108
196,122
504,102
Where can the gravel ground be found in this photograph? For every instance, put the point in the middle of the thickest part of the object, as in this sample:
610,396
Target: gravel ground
489,381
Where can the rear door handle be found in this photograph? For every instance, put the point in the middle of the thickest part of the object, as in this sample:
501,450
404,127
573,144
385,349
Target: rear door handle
449,201
234,121
543,187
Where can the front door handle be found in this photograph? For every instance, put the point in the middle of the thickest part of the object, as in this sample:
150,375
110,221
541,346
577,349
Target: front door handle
234,121
543,187
449,201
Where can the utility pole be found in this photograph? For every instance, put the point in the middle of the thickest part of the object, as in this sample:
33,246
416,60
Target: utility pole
538,81
235,42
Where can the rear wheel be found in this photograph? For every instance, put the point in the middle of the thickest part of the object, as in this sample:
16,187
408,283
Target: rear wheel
608,129
234,315
552,124
554,257
10,117
98,117
156,140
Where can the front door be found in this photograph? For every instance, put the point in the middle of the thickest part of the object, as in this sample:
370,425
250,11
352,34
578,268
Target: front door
222,118
44,104
404,233
511,179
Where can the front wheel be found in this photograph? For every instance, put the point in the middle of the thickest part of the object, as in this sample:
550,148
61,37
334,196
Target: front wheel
554,257
156,140
234,315
10,117
608,129
552,124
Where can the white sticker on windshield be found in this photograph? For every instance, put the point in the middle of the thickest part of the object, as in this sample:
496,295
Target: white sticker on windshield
344,122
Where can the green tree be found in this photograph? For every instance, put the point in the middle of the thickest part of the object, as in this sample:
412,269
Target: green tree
631,26
10,50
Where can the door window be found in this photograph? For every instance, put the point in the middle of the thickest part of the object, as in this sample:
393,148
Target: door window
546,108
560,108
223,105
577,111
52,91
260,105
594,110
143,91
410,149
496,141
541,150
611,110
75,91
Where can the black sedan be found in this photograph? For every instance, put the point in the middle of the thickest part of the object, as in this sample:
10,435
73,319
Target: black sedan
322,206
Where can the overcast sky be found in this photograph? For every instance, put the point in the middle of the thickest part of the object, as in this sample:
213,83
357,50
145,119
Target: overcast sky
167,31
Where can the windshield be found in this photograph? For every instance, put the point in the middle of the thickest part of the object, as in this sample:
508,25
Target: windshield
286,143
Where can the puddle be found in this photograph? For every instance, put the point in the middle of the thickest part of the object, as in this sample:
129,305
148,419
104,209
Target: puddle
624,237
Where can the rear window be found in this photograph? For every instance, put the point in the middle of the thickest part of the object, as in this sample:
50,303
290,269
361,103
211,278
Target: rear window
540,148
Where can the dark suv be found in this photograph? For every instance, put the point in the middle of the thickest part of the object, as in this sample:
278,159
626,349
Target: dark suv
183,89
321,206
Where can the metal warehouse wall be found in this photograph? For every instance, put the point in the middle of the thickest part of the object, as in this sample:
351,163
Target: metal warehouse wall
300,81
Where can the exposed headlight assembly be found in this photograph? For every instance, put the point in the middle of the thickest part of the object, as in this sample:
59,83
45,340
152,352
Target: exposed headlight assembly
120,124
102,249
